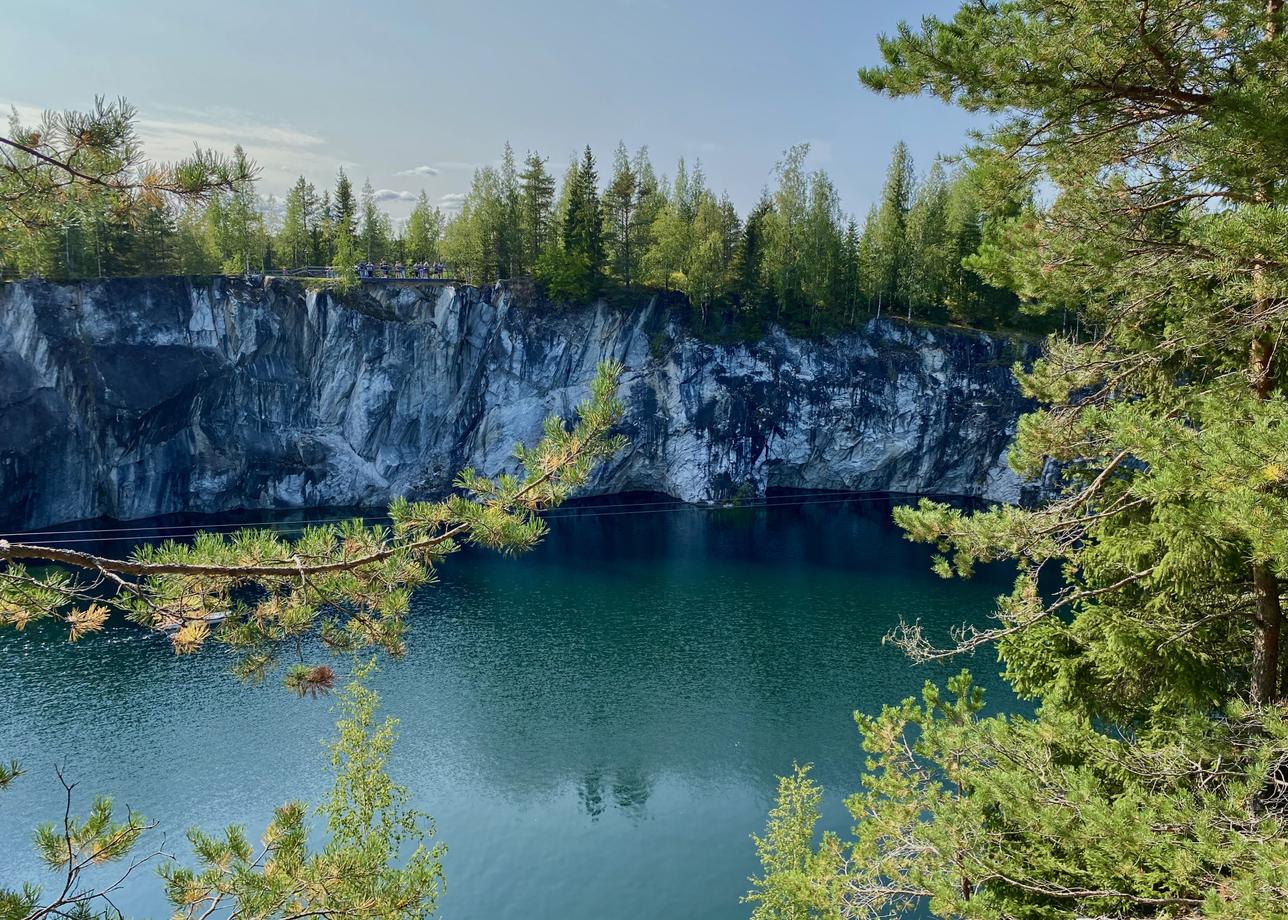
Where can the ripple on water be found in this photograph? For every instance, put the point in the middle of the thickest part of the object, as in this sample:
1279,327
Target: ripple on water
596,726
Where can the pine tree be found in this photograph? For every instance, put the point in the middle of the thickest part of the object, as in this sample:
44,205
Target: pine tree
536,204
295,242
1149,781
62,177
926,245
621,209
890,242
374,234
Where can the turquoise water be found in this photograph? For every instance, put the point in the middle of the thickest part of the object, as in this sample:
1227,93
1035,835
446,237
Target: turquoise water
596,726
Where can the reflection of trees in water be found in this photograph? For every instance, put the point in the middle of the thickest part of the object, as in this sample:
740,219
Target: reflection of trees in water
625,788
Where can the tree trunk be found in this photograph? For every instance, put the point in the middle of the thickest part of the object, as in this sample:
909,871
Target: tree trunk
1265,645
1265,584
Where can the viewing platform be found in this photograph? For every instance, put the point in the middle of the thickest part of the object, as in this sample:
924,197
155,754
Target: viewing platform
323,271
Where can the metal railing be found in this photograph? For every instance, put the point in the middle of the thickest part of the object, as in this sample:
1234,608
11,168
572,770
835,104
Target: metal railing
326,271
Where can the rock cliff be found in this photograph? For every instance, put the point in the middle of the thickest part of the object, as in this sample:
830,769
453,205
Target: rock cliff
136,397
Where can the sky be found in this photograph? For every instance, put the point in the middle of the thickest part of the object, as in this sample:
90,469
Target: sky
415,94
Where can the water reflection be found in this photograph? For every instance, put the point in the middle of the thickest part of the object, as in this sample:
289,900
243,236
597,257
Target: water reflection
596,726
624,789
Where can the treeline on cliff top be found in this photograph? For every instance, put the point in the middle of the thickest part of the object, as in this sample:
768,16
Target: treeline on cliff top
796,258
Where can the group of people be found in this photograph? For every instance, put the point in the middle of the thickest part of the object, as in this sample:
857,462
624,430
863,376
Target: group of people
383,269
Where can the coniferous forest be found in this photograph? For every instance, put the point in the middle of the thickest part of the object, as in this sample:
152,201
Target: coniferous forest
1130,759
796,258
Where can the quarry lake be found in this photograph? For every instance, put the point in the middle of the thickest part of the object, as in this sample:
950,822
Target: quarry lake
596,726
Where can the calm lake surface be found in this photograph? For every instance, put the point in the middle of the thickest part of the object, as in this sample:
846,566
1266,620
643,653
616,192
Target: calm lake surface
596,726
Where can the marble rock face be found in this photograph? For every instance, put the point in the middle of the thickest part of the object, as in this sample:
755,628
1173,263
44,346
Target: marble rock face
129,398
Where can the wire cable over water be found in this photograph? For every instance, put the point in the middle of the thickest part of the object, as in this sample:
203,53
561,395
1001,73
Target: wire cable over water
291,528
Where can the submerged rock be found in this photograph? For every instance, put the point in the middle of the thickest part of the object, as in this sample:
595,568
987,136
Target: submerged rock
130,398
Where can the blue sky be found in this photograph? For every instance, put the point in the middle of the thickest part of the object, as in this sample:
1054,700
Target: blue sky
387,88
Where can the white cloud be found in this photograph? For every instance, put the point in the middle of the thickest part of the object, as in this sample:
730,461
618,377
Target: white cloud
278,148
169,133
418,171
451,201
28,115
226,129
388,194
271,205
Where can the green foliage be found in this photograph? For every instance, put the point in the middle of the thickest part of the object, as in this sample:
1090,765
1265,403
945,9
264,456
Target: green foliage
800,881
566,275
424,231
890,245
375,235
299,223
72,848
377,861
536,208
622,205
799,260
348,584
78,198
343,210
474,240
1151,781
9,773
1045,817
377,858
344,262
583,227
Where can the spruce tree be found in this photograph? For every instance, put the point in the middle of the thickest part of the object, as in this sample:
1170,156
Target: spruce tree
344,211
851,290
749,258
510,239
583,220
649,203
151,241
